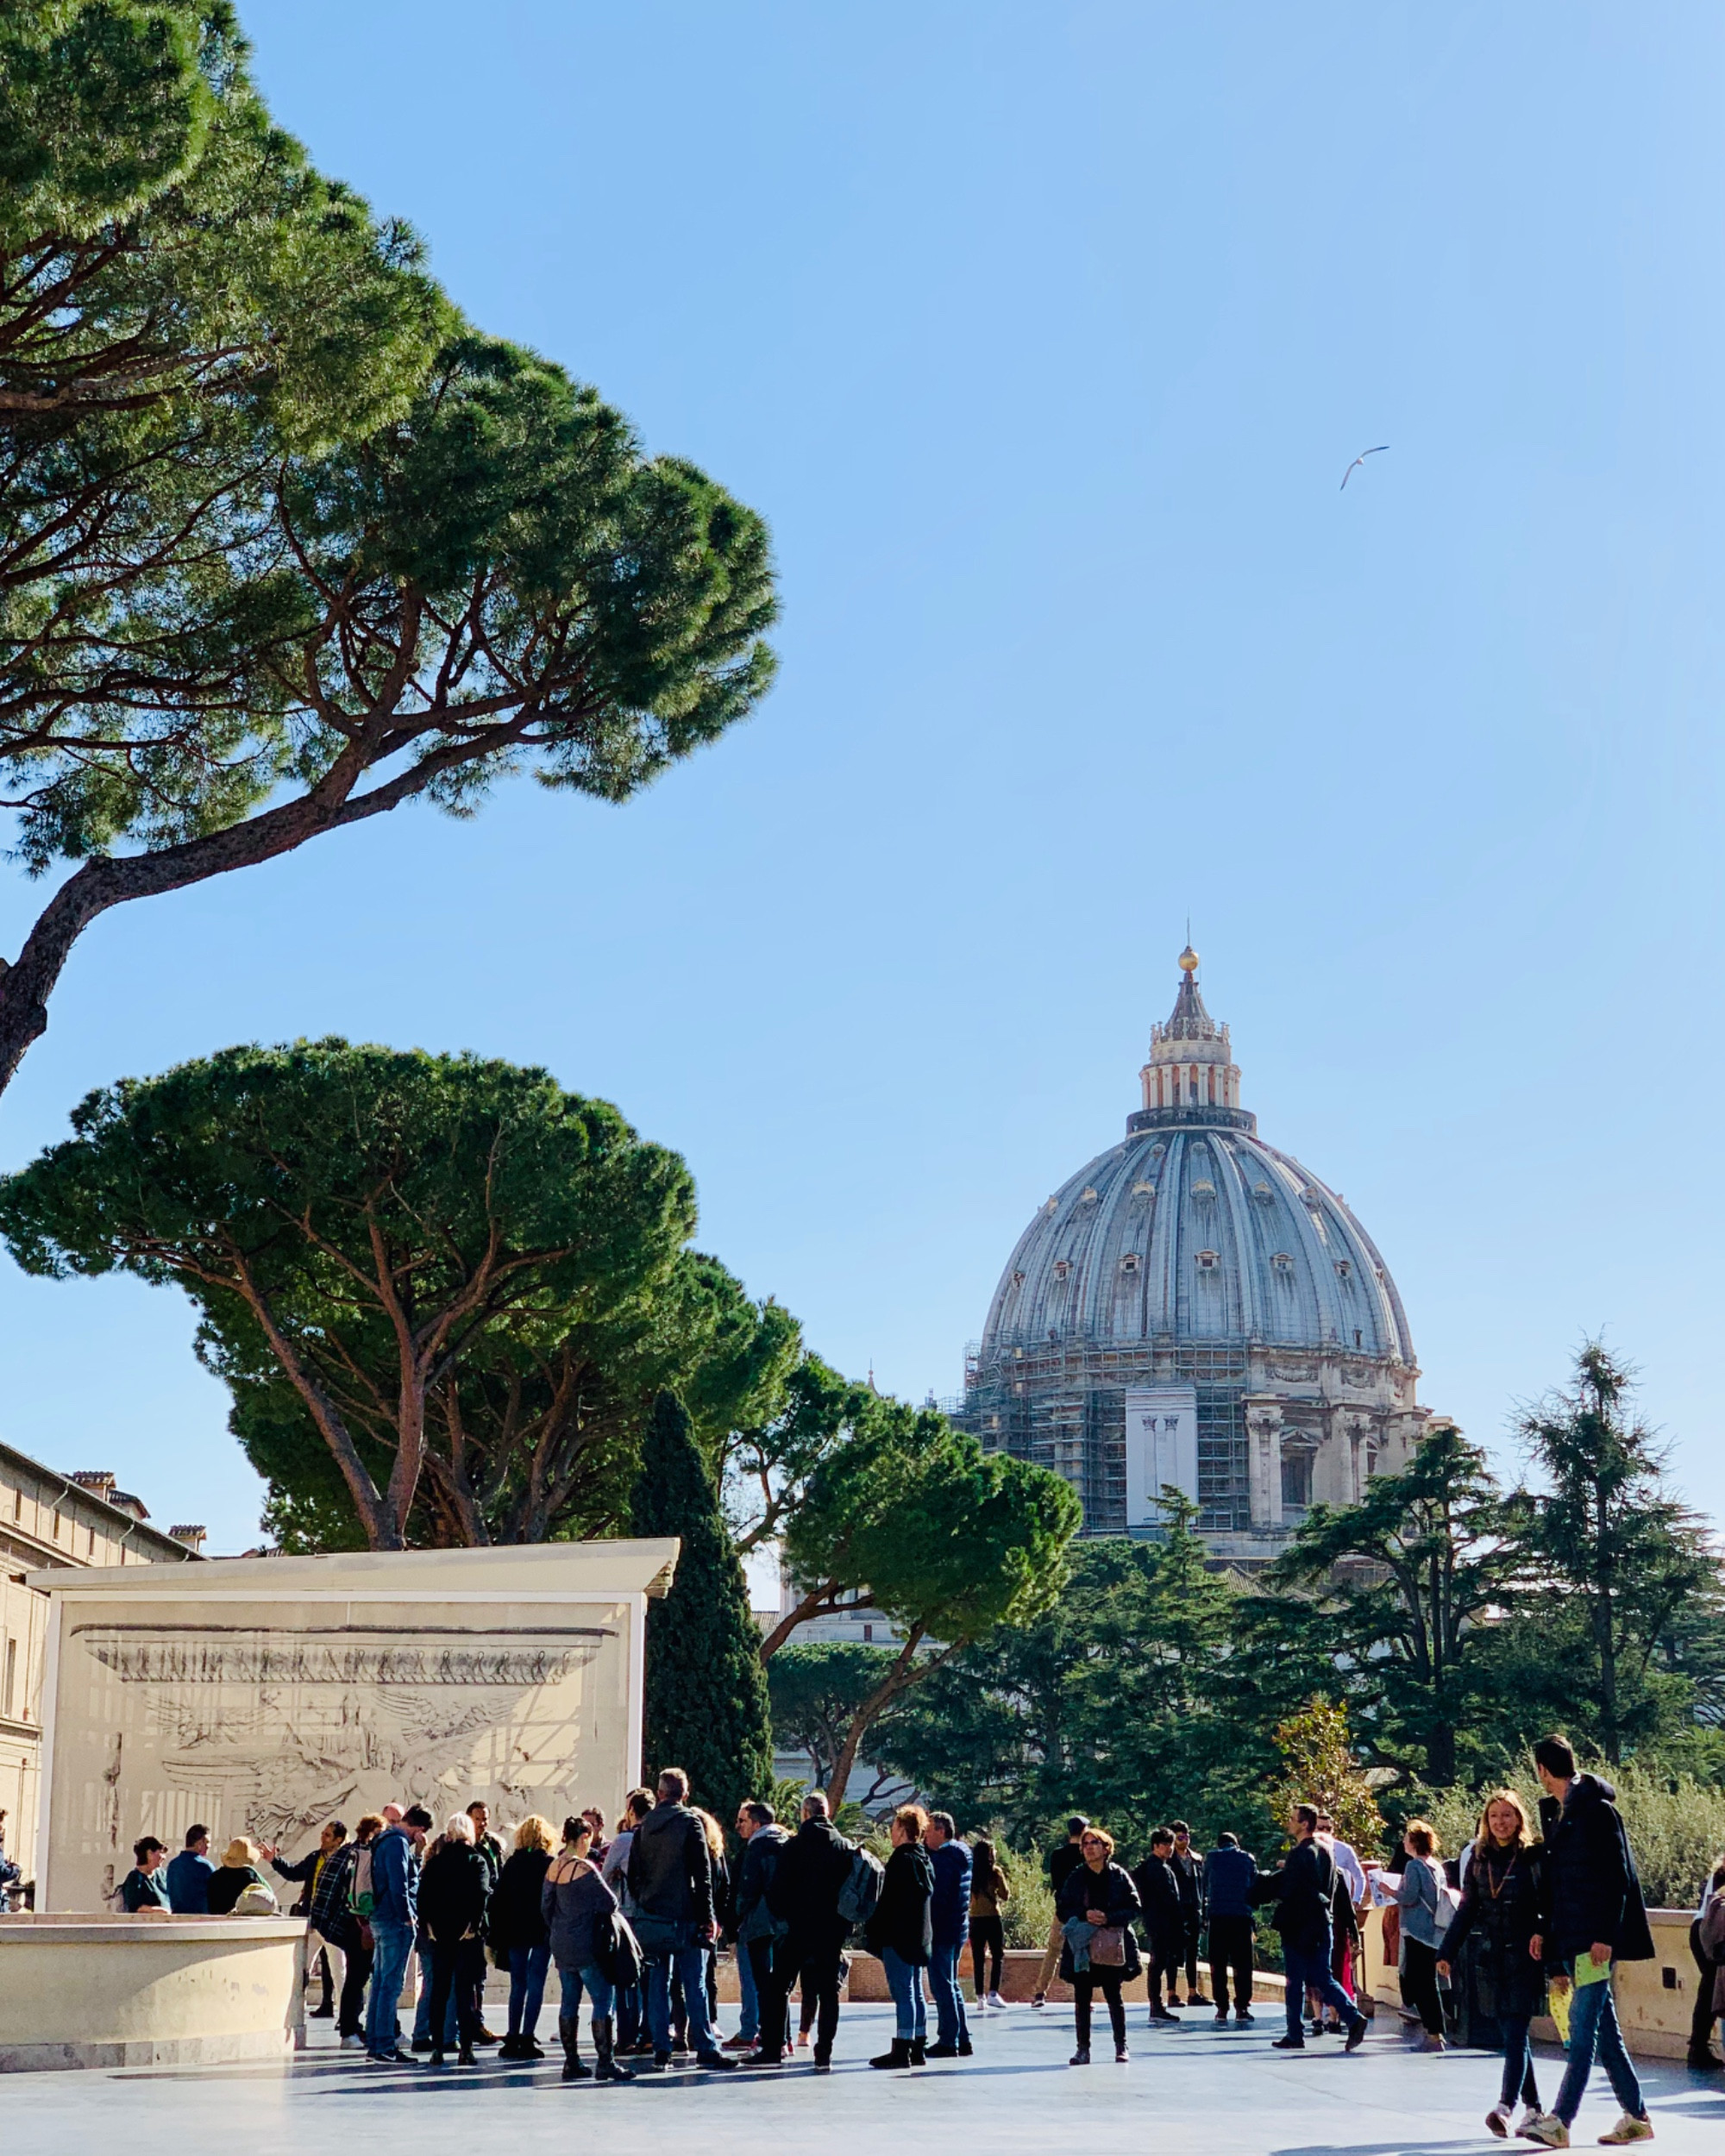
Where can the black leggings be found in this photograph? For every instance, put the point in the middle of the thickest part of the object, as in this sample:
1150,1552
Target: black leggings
987,1936
1108,1982
1421,1962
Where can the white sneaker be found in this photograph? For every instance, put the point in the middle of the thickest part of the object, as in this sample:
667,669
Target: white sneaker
997,2003
353,2043
1497,2121
1529,2113
1547,2129
1627,2129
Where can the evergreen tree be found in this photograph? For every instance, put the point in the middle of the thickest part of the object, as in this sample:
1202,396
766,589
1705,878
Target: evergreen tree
1628,1561
707,1691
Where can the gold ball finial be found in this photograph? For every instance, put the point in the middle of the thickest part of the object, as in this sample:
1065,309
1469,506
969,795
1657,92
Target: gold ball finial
1189,960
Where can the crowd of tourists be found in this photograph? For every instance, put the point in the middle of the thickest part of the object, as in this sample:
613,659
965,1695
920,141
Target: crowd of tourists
1535,1910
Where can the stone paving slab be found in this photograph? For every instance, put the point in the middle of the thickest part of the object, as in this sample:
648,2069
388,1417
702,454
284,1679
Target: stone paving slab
1194,2087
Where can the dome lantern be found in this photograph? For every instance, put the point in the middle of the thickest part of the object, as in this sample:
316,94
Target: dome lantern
1191,1076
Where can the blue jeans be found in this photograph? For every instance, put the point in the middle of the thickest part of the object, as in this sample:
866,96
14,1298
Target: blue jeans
1518,2062
691,1960
422,2013
949,1999
905,1983
595,1984
748,2019
1593,2027
527,1969
1308,1968
392,1945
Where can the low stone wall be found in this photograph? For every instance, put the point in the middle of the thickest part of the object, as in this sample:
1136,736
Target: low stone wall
147,1992
1655,1998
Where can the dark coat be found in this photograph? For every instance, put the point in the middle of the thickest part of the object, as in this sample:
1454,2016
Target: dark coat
514,1922
1230,1876
1063,1859
670,1867
188,1884
1501,1897
951,1914
141,1890
1164,1918
1189,1872
226,1883
750,1916
904,1915
1301,1891
454,1888
1591,1887
803,1894
1116,1894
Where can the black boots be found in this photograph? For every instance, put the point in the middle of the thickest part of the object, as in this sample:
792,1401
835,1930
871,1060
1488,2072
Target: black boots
899,2055
609,2070
569,2035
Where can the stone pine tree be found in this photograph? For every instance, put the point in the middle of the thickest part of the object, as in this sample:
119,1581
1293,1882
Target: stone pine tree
706,1692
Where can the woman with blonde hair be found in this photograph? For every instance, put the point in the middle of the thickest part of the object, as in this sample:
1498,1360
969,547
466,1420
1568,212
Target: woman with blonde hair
901,1932
237,1878
519,1941
1500,1914
1424,1900
454,1892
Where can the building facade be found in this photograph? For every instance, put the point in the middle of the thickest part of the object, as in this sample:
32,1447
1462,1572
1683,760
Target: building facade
47,1518
1195,1308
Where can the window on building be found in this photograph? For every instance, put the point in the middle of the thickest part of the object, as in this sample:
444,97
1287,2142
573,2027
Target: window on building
868,1631
9,1684
1297,1482
91,1550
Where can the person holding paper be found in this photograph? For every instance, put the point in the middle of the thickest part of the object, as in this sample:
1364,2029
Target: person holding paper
1593,1915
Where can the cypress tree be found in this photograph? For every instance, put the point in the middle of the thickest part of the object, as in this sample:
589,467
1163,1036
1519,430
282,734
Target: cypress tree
706,1692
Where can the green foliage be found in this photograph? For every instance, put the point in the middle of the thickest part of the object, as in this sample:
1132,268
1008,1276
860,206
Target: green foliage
1318,1767
1398,1584
816,1692
461,1278
1624,1555
1121,1701
286,543
707,1693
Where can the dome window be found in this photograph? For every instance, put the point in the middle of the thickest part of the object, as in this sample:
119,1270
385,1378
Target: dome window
1263,1192
1129,1262
1088,1197
1207,1260
1063,1267
1344,1268
1018,1279
1144,1190
1203,1187
1282,1262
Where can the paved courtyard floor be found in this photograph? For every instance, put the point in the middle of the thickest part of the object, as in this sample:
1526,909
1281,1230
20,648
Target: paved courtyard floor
1195,2087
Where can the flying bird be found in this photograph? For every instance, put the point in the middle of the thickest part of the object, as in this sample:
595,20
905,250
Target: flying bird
1360,460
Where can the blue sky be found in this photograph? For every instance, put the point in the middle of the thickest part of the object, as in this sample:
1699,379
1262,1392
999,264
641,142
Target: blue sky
1043,336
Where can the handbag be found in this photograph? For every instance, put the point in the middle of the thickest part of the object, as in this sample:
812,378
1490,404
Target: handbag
618,1952
1108,1947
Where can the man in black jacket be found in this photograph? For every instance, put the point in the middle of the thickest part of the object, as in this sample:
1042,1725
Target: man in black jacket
1164,1922
1188,1870
670,1884
1301,1891
1063,1860
757,1927
810,1871
1594,1913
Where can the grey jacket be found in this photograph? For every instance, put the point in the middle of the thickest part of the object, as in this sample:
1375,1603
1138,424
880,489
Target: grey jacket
573,1908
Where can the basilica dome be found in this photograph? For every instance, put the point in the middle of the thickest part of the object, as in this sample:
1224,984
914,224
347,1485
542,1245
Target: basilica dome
1194,1273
